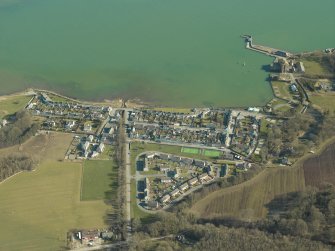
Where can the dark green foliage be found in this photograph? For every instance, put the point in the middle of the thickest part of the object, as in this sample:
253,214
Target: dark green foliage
19,131
14,163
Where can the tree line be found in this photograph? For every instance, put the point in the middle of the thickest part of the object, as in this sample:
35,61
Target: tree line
15,163
20,129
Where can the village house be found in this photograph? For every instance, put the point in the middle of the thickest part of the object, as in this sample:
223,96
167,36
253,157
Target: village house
173,174
184,187
87,127
199,163
45,98
101,147
89,235
90,138
174,158
151,155
86,153
243,166
166,198
153,204
94,154
300,67
70,124
224,170
164,169
85,145
204,177
186,161
175,192
193,181
166,180
164,156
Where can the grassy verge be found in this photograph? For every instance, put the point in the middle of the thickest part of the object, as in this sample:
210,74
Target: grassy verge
99,179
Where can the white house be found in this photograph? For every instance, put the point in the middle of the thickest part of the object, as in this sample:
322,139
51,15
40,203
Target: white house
101,147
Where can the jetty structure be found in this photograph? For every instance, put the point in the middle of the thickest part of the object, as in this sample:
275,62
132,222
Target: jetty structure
264,49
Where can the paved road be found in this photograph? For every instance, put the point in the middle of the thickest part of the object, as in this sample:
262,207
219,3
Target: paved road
128,171
103,246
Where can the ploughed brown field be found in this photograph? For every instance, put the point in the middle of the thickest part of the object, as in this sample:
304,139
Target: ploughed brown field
249,199
320,169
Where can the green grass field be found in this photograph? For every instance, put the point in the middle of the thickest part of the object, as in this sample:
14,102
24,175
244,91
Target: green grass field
281,90
38,208
190,150
325,102
12,104
212,153
314,68
99,179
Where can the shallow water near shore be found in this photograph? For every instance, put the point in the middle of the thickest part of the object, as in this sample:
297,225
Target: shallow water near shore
174,53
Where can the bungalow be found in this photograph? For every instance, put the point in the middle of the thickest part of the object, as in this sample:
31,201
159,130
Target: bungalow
45,98
166,198
175,192
175,158
87,127
199,163
87,235
95,154
293,88
301,67
184,187
166,180
193,181
4,122
224,170
173,174
164,156
70,124
243,166
153,204
90,138
203,177
186,161
164,169
101,147
85,145
151,155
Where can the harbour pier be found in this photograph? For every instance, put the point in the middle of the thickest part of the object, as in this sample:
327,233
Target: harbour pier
265,49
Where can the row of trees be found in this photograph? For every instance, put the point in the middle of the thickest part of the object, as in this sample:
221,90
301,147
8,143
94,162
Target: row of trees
15,163
17,132
118,218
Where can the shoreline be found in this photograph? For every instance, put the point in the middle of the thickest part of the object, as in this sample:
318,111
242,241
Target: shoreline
128,103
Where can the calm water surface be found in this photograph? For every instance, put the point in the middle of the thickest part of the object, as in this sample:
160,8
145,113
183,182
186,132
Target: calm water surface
176,52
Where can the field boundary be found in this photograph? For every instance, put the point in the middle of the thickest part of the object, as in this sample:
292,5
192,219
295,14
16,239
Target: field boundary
10,177
81,181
